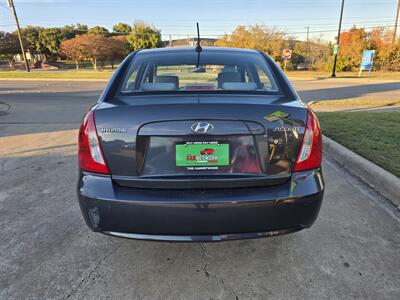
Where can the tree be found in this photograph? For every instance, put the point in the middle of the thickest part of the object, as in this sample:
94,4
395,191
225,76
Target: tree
299,55
80,28
122,28
68,32
98,30
76,29
118,48
46,41
95,48
51,38
392,57
269,40
31,39
87,46
144,36
352,44
316,54
73,50
380,39
9,46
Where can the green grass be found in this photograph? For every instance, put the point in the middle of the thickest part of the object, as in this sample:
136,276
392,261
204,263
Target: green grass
375,136
69,73
354,75
356,103
57,74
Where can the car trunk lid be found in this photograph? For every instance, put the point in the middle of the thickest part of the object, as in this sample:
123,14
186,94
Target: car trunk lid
252,142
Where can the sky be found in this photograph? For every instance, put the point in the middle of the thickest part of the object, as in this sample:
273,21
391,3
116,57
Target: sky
178,17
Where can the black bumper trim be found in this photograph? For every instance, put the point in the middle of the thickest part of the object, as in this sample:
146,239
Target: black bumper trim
202,238
200,182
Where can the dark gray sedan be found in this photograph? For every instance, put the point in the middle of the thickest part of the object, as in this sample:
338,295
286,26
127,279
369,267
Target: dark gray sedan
206,145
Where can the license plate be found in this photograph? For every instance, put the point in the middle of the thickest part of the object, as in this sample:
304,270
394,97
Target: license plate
202,155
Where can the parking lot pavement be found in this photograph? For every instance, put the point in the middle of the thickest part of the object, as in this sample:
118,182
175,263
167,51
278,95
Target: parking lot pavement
46,250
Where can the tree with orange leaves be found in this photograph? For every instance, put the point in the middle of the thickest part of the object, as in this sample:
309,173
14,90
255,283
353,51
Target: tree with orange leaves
92,47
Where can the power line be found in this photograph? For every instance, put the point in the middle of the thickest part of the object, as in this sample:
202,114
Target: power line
290,29
247,2
266,24
2,5
87,20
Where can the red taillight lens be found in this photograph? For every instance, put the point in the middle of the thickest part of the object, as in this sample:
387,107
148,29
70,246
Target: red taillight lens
310,154
91,157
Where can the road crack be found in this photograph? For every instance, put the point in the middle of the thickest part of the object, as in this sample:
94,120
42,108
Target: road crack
204,250
229,289
208,274
94,270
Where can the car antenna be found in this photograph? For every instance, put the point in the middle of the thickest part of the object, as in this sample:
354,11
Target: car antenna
198,47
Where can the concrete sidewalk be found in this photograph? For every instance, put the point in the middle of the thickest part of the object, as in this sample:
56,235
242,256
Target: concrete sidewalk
353,250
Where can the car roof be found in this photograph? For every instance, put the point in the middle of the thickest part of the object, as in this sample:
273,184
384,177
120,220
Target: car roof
192,49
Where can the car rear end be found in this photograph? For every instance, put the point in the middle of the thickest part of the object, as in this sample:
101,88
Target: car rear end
221,150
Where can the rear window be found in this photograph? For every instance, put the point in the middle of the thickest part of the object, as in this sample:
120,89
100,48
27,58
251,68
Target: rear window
185,71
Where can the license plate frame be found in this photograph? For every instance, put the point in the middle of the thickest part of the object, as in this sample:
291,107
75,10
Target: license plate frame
202,155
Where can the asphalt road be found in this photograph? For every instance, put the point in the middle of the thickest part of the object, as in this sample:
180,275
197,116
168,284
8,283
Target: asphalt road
347,88
46,250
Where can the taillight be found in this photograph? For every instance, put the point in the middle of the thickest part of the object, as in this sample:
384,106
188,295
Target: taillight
310,154
91,157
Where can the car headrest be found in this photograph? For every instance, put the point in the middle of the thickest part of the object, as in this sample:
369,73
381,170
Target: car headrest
239,86
153,87
167,79
228,77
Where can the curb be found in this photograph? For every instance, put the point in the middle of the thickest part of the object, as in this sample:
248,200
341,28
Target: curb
381,181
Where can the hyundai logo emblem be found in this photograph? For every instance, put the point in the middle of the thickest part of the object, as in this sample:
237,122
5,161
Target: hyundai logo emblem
202,127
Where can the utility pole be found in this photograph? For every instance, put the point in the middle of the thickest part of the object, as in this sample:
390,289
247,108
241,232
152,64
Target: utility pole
338,41
307,45
396,21
11,5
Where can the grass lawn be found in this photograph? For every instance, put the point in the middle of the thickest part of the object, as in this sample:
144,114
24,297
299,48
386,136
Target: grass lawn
319,74
70,73
373,135
356,103
57,74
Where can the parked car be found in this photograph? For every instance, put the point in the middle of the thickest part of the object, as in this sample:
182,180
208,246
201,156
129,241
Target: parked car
140,172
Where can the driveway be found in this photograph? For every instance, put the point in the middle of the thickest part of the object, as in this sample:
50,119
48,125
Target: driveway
46,250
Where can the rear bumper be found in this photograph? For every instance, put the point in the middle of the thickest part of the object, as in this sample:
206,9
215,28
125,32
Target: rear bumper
200,215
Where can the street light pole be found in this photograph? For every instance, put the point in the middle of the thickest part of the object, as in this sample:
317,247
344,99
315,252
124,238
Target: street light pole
396,21
338,41
307,45
11,4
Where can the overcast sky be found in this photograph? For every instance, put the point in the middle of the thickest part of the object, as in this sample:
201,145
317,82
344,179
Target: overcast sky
178,17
